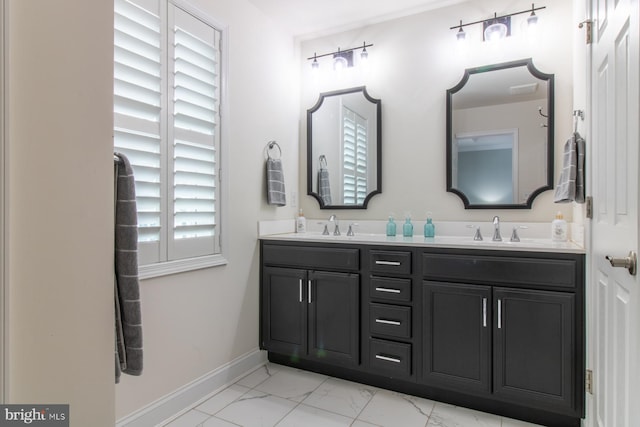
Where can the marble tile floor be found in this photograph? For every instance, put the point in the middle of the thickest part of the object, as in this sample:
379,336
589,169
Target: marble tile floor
276,395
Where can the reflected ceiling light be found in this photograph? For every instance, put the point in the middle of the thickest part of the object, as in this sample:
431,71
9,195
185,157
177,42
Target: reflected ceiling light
498,27
342,58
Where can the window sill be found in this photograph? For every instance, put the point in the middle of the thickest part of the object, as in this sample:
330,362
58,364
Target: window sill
180,266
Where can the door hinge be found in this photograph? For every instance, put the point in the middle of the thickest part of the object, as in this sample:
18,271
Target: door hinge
589,381
589,206
589,30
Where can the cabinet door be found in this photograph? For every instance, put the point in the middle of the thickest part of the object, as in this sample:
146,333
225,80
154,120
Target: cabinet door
334,317
534,348
284,311
457,336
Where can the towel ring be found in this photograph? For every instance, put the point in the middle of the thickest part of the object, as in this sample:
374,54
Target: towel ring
270,146
323,161
577,114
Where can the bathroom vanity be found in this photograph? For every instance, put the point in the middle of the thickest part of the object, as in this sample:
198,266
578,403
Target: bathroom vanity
498,329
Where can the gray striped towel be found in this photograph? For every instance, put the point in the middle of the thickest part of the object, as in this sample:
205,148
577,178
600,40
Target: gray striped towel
571,183
127,289
324,189
275,183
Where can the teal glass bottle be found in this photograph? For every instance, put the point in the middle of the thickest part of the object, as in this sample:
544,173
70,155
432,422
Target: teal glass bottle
407,228
429,228
391,227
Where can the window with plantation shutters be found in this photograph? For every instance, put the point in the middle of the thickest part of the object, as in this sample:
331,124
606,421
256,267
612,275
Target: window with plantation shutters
354,161
167,122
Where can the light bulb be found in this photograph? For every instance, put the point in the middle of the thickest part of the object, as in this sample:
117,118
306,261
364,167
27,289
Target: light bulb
495,31
339,63
461,35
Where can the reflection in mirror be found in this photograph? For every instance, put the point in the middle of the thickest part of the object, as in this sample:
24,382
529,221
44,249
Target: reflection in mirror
500,136
343,149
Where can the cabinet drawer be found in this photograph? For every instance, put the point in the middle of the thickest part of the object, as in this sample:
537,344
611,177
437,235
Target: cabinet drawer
390,320
390,358
311,257
390,289
395,262
502,270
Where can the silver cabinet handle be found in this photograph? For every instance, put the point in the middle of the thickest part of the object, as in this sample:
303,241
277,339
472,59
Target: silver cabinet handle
309,289
388,322
396,263
484,312
300,290
629,262
499,314
388,359
388,290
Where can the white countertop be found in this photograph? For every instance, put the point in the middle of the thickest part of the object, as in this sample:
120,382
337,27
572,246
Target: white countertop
461,242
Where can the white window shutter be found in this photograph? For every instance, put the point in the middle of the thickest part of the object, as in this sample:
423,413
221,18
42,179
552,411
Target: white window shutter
166,119
194,86
138,122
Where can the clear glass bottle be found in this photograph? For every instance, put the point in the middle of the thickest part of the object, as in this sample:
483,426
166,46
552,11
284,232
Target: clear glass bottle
429,228
391,227
407,227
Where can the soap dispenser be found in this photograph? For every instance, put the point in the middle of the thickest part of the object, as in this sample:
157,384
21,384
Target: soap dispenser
407,227
391,227
559,228
429,228
301,223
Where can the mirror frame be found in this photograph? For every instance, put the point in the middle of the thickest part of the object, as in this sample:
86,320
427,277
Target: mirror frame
550,142
378,145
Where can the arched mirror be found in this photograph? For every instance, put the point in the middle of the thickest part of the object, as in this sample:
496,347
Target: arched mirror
344,141
500,136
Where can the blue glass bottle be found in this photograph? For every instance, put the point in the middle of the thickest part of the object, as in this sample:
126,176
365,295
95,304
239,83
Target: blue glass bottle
391,227
407,228
429,228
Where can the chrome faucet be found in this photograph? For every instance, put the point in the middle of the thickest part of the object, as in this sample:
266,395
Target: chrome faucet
496,229
336,230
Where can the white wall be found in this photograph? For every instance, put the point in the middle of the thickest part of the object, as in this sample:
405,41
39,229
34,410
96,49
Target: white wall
196,322
61,212
413,62
60,341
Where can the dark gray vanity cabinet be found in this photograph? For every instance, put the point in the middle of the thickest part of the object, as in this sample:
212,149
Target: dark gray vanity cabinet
457,336
389,338
494,330
508,326
534,348
307,312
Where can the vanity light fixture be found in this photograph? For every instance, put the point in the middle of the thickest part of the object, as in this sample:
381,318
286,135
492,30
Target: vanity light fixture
342,58
461,35
498,27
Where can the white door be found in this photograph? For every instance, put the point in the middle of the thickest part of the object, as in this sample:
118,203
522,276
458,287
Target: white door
614,309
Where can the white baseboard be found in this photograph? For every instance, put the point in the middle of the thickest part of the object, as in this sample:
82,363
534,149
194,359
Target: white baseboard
167,407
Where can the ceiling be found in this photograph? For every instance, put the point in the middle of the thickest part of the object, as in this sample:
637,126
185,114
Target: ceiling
308,18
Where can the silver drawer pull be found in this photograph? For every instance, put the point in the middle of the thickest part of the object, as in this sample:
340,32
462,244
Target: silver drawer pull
388,359
388,322
484,312
388,290
396,263
300,291
499,314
